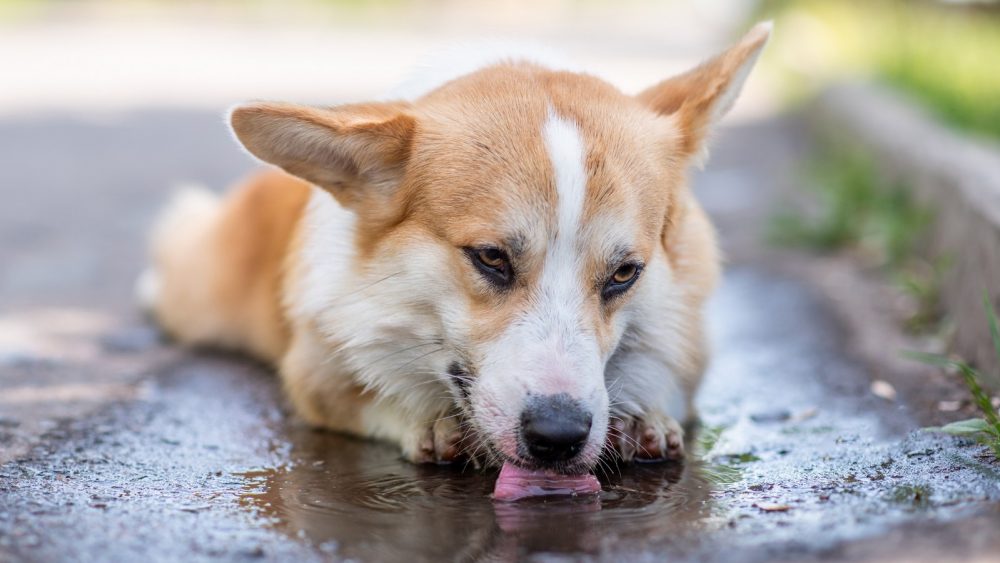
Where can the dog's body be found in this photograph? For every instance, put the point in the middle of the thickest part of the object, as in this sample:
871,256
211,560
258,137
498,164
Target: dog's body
511,256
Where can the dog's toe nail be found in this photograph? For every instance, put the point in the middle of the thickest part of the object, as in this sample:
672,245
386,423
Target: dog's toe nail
675,446
449,454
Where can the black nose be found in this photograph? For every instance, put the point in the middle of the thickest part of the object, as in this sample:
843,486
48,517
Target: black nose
554,427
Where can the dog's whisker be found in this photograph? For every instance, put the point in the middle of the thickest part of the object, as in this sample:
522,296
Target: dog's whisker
420,384
367,287
404,350
606,467
451,416
630,440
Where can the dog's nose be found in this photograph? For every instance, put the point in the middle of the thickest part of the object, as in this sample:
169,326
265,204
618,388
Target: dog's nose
554,427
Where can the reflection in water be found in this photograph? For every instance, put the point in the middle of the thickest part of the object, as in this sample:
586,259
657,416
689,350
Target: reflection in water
361,500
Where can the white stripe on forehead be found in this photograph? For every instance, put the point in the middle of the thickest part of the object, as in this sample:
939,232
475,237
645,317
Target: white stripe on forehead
565,147
550,349
560,297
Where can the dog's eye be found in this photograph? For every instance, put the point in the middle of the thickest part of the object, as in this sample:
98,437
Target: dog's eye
492,263
621,280
491,257
625,273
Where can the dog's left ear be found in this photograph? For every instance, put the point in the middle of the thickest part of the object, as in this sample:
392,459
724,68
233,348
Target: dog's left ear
357,152
700,97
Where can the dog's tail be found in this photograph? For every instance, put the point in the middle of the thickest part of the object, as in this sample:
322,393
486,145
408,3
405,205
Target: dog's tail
181,227
217,264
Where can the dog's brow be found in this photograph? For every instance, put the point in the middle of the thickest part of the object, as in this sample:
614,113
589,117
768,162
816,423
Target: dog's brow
619,254
516,244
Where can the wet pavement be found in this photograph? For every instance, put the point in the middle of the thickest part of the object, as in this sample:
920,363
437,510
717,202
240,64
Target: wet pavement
119,447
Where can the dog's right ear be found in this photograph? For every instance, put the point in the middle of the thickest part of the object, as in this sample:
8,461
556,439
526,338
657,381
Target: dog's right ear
355,152
700,97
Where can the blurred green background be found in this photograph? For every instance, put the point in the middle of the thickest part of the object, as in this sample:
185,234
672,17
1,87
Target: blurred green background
945,54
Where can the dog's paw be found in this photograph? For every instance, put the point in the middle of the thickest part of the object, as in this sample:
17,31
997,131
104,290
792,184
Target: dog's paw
652,437
440,442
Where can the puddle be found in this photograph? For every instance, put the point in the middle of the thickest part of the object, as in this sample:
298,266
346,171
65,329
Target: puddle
362,501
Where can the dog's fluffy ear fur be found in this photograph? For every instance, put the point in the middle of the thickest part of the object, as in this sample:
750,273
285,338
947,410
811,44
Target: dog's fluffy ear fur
353,151
700,97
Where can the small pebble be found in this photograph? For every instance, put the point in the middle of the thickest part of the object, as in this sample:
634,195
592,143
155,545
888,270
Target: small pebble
883,389
949,406
805,414
6,422
779,415
194,508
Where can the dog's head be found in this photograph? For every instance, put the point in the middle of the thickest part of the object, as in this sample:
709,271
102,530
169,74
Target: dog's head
524,207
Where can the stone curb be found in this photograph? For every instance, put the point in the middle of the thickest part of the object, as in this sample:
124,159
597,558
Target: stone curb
955,176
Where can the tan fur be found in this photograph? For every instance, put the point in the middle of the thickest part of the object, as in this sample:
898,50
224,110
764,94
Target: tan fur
697,267
692,96
330,402
465,168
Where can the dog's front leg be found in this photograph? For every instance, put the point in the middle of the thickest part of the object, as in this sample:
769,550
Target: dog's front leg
649,402
325,394
438,441
651,436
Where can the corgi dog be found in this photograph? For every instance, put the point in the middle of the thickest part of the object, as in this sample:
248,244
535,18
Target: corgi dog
503,262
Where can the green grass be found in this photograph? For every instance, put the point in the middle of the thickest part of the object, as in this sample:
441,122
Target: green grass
913,496
845,186
985,430
859,209
949,62
717,473
943,55
923,282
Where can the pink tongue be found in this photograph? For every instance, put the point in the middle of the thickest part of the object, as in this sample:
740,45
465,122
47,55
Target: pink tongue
515,483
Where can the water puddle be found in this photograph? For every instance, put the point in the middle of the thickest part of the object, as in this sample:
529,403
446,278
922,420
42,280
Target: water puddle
360,500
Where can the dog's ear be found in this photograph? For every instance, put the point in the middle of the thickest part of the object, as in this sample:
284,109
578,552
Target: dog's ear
700,97
353,151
